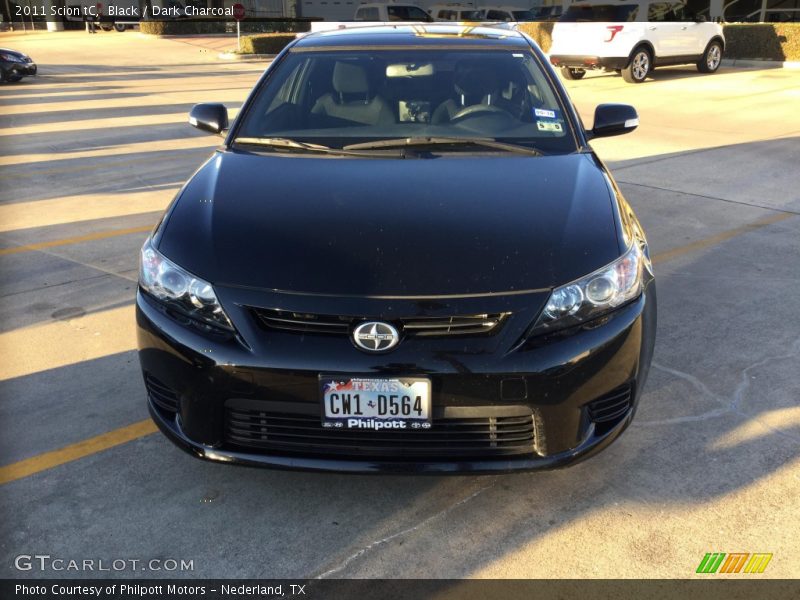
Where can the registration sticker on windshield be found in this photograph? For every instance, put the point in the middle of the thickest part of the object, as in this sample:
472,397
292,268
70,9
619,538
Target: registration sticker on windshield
547,114
549,126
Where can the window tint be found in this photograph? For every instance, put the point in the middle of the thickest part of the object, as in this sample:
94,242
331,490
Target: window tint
497,15
407,13
368,14
600,13
662,11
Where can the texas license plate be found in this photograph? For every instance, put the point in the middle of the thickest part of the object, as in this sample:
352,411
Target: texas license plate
376,404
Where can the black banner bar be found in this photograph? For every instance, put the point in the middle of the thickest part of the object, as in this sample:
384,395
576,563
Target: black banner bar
714,588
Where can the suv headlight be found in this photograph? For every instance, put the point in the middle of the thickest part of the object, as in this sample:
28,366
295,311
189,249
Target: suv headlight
595,294
179,289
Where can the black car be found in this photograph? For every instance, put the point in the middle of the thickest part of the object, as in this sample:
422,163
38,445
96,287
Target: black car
405,257
15,65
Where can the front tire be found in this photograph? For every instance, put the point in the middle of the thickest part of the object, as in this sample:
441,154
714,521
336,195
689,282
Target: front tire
712,58
119,28
572,74
639,66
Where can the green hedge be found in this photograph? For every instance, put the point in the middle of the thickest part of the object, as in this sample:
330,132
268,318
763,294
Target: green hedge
265,43
764,41
181,27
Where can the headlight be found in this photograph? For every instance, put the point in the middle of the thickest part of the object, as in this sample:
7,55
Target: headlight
179,289
598,293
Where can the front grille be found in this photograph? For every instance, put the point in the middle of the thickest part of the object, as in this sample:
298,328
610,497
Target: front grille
452,436
161,395
482,324
611,406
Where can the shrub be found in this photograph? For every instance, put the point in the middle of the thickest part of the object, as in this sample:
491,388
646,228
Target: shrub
182,27
265,43
765,41
541,32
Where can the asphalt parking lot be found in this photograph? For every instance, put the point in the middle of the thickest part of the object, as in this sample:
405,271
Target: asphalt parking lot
96,146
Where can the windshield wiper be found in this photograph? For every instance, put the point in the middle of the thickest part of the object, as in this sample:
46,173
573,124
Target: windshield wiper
276,142
444,141
290,144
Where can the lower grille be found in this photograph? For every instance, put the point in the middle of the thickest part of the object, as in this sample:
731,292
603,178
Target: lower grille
161,395
411,326
611,406
448,437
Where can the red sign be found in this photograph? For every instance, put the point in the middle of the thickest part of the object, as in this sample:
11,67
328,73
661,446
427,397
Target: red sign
238,11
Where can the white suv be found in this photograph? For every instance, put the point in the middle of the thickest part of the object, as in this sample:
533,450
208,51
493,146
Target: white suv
633,37
384,12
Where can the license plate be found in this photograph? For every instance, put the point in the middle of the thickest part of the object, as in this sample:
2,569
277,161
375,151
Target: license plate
376,404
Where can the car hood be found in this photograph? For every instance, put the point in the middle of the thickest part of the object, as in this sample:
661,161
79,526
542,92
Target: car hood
452,225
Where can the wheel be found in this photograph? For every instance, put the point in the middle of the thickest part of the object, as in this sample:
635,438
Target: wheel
572,74
639,66
712,58
119,28
11,76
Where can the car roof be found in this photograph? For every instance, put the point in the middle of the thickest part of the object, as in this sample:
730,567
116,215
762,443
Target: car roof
421,34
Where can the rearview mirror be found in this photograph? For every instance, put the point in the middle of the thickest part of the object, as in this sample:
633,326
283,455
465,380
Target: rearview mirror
613,119
211,117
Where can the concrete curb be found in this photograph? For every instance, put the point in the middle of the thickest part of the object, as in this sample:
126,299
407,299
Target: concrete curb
763,64
235,56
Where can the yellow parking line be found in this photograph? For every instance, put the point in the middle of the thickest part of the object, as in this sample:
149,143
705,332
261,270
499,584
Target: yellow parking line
104,441
82,449
719,238
89,237
116,165
84,207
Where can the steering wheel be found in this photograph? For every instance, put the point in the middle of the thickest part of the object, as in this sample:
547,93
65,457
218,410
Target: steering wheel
476,110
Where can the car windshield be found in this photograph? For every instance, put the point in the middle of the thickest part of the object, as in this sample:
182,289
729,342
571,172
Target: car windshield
600,13
341,97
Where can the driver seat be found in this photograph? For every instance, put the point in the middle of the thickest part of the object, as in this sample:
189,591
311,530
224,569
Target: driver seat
473,84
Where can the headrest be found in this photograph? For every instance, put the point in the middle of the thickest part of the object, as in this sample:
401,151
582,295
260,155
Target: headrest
349,78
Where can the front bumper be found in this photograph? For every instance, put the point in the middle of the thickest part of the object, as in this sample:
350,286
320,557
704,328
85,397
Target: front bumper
20,68
557,381
579,61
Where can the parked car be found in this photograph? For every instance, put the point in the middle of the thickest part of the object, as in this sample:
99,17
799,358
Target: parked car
382,12
633,38
405,257
15,65
509,13
455,12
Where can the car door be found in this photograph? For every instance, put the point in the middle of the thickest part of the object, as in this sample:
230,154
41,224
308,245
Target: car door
665,32
696,32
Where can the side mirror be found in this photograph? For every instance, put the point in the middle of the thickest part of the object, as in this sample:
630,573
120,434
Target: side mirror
209,117
613,119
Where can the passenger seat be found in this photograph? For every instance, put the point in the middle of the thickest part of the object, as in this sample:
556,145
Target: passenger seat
351,100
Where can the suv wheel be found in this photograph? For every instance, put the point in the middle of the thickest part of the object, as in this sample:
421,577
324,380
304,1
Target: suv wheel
639,66
712,58
572,74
